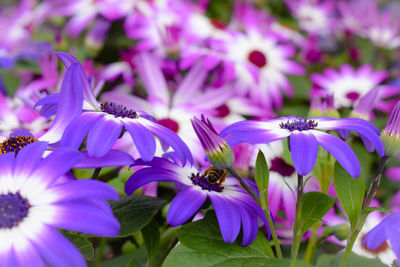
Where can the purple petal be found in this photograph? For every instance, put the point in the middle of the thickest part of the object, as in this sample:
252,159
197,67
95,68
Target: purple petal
110,159
147,175
7,162
78,129
362,127
81,189
70,105
170,138
228,217
85,218
28,158
304,149
102,136
249,225
56,249
144,139
340,151
394,240
27,255
56,164
185,205
375,237
49,105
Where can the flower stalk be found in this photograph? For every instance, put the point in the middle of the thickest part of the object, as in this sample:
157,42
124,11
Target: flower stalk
296,230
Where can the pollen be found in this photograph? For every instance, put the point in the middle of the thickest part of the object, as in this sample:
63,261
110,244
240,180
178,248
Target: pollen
203,181
299,124
16,143
118,111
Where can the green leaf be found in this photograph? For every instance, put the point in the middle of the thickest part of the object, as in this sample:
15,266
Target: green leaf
135,212
10,81
183,256
202,245
134,259
368,210
301,86
315,206
327,260
350,192
151,235
84,246
262,173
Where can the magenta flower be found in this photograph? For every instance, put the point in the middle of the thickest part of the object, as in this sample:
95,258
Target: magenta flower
35,200
233,206
304,137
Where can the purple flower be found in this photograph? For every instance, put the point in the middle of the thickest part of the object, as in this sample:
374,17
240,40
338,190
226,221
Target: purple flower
232,204
387,229
304,138
35,200
391,133
79,114
217,149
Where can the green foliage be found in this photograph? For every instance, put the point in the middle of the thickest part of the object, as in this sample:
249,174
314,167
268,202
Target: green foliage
315,206
151,235
81,243
262,173
135,212
327,260
350,192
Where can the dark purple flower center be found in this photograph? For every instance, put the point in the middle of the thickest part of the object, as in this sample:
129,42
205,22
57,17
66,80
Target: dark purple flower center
118,111
257,58
223,111
170,124
13,209
16,143
353,96
299,124
210,180
280,166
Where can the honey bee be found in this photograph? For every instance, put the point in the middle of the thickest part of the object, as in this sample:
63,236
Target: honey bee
214,175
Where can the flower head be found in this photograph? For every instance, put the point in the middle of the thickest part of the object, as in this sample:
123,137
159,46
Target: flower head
15,142
233,205
391,133
34,200
217,149
304,138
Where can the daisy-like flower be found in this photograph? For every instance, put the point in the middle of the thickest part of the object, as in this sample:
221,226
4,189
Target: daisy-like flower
304,137
233,205
348,84
104,123
34,200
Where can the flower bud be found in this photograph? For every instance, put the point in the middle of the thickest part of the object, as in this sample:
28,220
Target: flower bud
218,151
391,133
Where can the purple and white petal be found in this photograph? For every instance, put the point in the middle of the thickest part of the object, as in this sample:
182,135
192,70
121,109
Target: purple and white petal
304,150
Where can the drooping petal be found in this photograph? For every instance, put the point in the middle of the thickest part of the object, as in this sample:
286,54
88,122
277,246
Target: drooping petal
171,138
143,138
362,127
69,107
340,151
228,217
375,237
102,136
147,175
185,205
78,129
304,149
110,159
249,225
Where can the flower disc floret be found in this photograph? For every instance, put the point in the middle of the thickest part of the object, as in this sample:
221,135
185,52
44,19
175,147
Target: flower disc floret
16,143
13,209
299,124
118,111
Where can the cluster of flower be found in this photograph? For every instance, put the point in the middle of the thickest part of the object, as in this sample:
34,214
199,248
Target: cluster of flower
181,95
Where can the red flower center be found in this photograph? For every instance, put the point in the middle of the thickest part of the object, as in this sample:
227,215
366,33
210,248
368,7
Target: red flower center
257,58
223,111
280,166
353,96
170,124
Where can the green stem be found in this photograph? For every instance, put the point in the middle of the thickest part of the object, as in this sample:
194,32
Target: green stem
171,245
296,230
96,173
265,207
367,201
310,250
100,250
